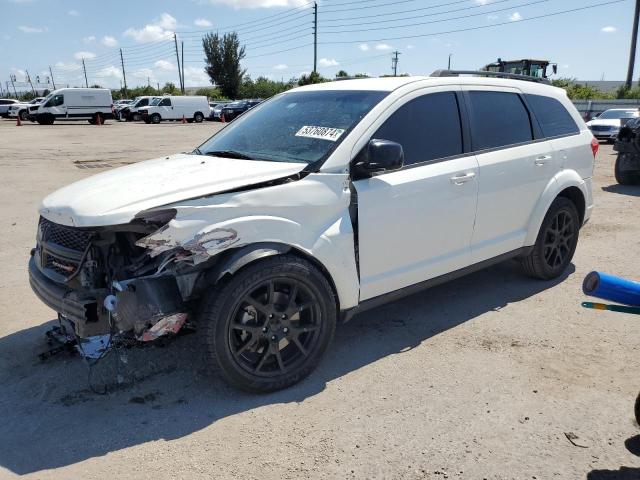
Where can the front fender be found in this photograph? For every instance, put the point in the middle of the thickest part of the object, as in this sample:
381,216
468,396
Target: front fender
310,215
563,180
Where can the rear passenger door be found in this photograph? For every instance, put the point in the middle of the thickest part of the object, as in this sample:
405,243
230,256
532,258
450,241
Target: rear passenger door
416,223
515,163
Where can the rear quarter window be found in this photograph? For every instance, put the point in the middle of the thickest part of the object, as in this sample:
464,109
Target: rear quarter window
498,119
553,117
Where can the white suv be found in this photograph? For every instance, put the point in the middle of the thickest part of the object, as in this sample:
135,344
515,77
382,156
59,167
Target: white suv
319,203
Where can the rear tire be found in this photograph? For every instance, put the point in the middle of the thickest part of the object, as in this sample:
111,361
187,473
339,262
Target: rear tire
625,177
198,117
556,243
268,326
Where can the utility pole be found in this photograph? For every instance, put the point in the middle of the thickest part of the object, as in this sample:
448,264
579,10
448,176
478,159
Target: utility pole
86,82
29,80
394,63
315,37
634,42
13,79
52,80
449,64
124,75
182,43
175,39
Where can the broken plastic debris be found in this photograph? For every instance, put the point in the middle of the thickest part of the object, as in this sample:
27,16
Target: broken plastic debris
169,324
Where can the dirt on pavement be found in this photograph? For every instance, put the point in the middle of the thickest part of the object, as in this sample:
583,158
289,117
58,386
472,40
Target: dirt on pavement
492,376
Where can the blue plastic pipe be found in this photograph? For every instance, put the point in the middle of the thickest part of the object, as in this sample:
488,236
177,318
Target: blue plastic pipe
614,289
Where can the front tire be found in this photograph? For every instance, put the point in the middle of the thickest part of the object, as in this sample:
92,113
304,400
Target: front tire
155,118
556,243
268,326
625,176
23,115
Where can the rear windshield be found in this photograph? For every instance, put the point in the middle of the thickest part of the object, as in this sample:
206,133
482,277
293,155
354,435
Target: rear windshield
300,127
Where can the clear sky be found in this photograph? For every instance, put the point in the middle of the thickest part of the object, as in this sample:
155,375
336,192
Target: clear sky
358,36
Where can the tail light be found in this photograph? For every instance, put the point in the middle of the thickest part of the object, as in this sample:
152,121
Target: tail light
595,146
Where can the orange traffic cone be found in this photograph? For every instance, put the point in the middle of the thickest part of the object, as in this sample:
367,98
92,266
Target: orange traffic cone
18,122
184,120
99,120
222,120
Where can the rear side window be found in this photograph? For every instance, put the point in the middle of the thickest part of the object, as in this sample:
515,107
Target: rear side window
427,127
498,119
553,117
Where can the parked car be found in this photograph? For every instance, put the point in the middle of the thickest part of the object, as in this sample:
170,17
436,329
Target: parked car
627,166
173,107
235,109
216,108
129,112
607,125
21,109
318,204
5,103
92,104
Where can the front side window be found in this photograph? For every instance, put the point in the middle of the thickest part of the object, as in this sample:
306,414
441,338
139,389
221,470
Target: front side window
498,119
427,127
300,127
553,117
56,101
165,102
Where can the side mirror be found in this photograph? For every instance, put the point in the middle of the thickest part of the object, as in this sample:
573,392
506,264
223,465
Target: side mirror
383,156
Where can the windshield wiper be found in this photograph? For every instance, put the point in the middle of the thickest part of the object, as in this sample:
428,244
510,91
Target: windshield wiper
229,154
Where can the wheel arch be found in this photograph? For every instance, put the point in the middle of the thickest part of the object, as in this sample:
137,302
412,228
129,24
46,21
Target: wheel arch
567,184
232,261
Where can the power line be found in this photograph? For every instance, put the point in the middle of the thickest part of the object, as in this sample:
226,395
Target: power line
460,17
481,27
376,15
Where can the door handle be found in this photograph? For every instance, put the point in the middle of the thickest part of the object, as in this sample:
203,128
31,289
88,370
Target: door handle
462,179
542,160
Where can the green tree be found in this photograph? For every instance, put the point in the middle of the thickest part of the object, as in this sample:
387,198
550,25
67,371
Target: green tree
577,91
170,88
223,56
313,77
342,74
211,93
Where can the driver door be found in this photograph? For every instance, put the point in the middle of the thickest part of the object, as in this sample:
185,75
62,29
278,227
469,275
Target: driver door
57,106
416,223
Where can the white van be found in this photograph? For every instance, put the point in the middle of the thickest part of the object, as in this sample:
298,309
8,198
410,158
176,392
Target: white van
172,107
75,104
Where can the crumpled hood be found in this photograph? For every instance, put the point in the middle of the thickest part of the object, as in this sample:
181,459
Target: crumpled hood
116,196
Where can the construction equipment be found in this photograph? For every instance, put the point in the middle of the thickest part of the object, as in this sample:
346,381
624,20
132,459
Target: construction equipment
527,67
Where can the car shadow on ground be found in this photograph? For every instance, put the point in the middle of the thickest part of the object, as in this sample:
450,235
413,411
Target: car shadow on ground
624,473
52,419
631,190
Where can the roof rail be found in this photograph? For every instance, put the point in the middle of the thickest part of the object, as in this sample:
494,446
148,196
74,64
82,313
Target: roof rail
483,73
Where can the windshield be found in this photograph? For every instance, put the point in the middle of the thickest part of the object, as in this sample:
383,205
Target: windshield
613,114
300,127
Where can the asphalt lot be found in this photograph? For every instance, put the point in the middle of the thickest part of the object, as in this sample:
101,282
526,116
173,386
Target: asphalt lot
484,377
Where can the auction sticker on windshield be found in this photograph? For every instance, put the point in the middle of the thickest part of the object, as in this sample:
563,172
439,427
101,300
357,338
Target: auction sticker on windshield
323,133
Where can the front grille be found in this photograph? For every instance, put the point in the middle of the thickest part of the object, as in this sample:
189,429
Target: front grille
60,266
67,237
601,128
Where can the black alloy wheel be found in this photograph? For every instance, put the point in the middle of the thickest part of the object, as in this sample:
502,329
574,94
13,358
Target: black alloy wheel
559,238
556,242
269,325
